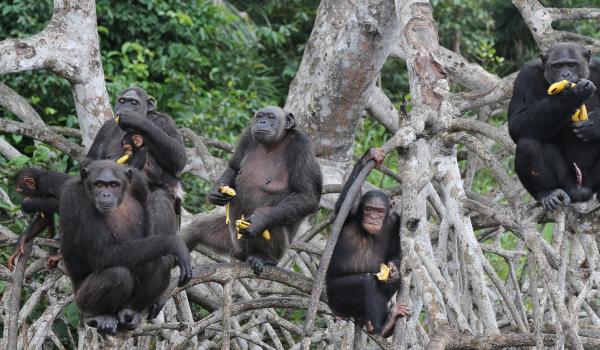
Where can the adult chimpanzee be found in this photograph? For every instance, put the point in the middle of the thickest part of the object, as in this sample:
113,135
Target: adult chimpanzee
557,160
277,181
156,146
41,192
118,263
370,237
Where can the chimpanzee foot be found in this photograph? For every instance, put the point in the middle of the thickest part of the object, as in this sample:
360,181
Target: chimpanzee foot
555,199
256,264
106,324
155,309
129,319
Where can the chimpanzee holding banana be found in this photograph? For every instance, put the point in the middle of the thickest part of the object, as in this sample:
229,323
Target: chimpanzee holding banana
272,183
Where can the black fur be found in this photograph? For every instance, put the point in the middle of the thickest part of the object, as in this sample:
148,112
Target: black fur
352,288
276,190
117,262
42,202
551,149
164,146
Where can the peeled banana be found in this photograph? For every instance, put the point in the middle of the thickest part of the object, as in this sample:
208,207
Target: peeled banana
384,273
581,113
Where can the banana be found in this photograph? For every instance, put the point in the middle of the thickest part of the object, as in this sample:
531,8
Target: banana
230,192
581,113
244,224
559,87
124,159
384,273
226,190
117,118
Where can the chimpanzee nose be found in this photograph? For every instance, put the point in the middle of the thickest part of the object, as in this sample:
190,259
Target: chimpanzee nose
106,195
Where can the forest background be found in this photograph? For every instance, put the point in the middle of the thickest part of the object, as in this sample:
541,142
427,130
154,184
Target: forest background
210,63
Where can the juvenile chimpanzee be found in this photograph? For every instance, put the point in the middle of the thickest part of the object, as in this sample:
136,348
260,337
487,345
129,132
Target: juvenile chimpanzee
278,183
557,160
157,149
118,263
370,237
41,192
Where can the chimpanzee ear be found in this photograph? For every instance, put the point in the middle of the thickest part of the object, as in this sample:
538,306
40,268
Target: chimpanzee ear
83,173
290,121
544,58
129,174
30,182
150,104
588,55
252,112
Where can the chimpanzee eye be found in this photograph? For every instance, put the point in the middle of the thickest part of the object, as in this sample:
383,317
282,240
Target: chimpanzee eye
121,100
114,184
134,102
571,65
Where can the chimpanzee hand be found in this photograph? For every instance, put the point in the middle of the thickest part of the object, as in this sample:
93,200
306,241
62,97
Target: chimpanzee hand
128,119
584,89
218,198
394,273
258,224
589,129
376,154
182,259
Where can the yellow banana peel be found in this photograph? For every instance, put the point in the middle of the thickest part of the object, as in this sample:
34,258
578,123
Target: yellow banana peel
230,192
244,224
384,273
124,159
117,118
581,113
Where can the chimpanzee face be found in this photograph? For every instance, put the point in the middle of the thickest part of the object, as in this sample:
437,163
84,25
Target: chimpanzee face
566,61
26,186
373,215
269,125
136,101
106,185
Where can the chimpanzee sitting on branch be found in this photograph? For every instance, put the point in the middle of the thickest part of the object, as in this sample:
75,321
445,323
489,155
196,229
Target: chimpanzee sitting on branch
118,261
143,138
370,238
276,183
558,145
41,194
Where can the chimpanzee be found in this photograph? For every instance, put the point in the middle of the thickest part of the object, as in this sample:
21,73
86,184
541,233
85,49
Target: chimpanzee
557,159
41,192
118,263
157,149
370,237
278,183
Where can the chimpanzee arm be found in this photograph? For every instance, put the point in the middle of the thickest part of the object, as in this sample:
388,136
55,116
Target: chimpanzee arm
306,184
357,169
100,147
137,251
47,205
160,137
37,225
230,174
532,112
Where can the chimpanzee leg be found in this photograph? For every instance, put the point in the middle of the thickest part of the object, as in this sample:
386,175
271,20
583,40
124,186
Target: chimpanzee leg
211,231
358,296
164,219
547,175
101,295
